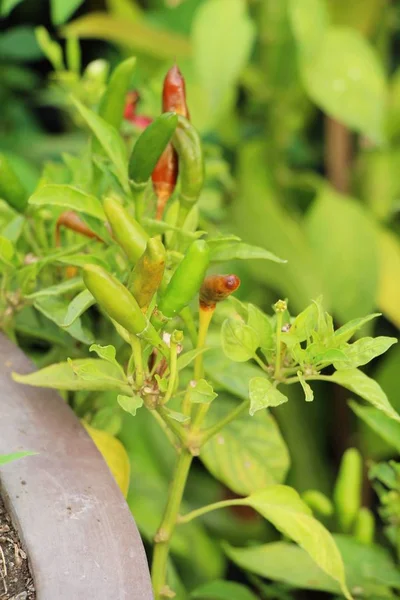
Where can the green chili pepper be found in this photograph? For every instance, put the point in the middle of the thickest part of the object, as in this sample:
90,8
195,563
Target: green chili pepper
129,234
147,275
11,189
112,104
149,147
186,142
318,502
186,280
120,305
347,492
364,527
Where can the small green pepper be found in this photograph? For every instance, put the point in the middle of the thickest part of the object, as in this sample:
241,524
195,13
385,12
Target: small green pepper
318,502
347,492
186,142
148,272
11,189
112,104
129,234
186,280
120,305
364,526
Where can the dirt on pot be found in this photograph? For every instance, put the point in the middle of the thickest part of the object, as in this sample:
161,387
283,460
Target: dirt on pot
16,582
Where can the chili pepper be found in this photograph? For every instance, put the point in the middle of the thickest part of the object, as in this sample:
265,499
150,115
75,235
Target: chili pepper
347,492
129,234
70,220
11,189
120,305
318,502
149,147
174,93
147,275
112,104
164,178
131,100
187,144
364,526
186,280
216,288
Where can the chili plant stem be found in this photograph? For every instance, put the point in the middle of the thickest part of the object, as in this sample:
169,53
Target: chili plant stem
187,318
172,373
164,534
291,380
205,316
205,509
172,424
137,356
279,318
207,434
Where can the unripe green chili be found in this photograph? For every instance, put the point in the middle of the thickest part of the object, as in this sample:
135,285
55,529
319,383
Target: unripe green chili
11,189
364,527
150,146
347,492
128,233
318,502
120,305
112,104
148,272
186,142
186,280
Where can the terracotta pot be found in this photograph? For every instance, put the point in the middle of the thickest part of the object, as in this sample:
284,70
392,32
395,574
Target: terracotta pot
73,521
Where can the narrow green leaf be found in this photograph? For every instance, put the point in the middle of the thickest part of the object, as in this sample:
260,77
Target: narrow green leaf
70,285
384,426
68,197
309,21
346,332
77,307
6,251
7,6
130,404
241,251
363,351
263,394
185,359
6,458
309,394
61,10
202,392
239,341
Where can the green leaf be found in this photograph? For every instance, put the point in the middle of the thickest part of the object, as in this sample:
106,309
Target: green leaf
110,140
309,20
239,341
248,454
80,260
283,507
202,392
346,332
68,197
13,230
264,394
130,403
70,285
61,10
77,307
94,374
242,251
55,309
356,381
309,394
6,251
385,427
7,6
363,351
262,325
222,590
349,262
51,49
107,353
222,35
304,324
185,359
6,458
177,416
19,44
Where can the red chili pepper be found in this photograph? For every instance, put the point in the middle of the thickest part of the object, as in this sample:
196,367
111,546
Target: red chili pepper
70,220
132,98
174,93
164,178
216,288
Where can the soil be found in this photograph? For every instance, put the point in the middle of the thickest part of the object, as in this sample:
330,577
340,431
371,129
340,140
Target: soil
16,582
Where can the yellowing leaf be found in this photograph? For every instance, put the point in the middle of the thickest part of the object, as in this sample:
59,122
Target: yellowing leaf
114,454
389,276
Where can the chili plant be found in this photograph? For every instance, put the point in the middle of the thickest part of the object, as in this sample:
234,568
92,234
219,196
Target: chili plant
174,347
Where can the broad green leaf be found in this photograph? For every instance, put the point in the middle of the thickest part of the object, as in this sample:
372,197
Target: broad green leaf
61,10
70,285
130,404
261,324
55,309
308,393
348,261
107,353
283,507
385,427
7,6
363,351
248,454
361,14
263,394
345,79
233,377
305,323
309,20
19,44
138,36
185,359
202,392
346,332
368,568
100,375
7,458
389,276
328,356
77,307
110,140
108,418
239,341
356,381
242,251
222,590
68,197
222,36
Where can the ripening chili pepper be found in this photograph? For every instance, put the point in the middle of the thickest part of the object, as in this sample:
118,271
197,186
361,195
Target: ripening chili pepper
364,526
11,189
174,93
149,147
186,280
112,104
148,272
187,144
120,305
216,288
70,220
128,233
347,492
164,178
131,100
